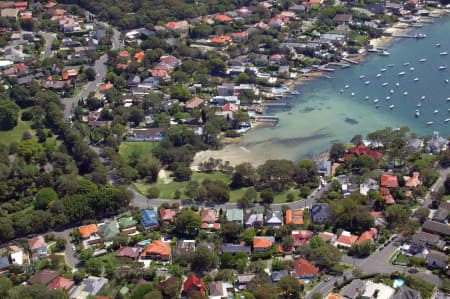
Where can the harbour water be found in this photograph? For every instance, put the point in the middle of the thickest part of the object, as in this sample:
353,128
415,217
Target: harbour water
322,114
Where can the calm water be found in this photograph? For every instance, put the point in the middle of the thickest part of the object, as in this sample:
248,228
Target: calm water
322,114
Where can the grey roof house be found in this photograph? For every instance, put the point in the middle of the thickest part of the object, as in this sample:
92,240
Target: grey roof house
368,185
436,144
274,219
253,220
320,213
277,275
235,248
324,167
407,293
354,290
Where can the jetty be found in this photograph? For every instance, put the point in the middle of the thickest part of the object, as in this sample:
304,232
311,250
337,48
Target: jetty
342,65
287,105
267,118
350,61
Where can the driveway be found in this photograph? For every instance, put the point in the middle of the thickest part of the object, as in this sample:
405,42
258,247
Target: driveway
70,255
49,38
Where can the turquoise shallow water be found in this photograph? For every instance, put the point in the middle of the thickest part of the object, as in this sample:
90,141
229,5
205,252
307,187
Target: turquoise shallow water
321,114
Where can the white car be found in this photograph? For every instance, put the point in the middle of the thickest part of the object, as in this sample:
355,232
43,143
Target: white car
73,248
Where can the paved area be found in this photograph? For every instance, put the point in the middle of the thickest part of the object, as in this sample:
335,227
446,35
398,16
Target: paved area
49,38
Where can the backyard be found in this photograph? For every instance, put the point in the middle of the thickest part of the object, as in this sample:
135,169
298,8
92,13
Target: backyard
15,135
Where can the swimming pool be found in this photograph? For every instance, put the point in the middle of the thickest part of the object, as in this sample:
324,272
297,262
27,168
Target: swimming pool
398,283
282,89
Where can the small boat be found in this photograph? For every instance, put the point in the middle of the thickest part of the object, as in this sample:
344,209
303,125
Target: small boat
367,97
429,123
406,64
420,35
295,92
391,91
401,73
378,75
384,53
405,93
443,53
435,111
383,70
388,98
391,107
367,82
416,79
353,94
385,84
377,106
438,44
419,104
397,84
391,65
346,86
422,97
412,69
342,90
376,100
443,67
417,112
446,81
362,77
423,60
446,120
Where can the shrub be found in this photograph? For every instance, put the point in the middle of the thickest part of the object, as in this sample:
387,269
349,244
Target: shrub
153,192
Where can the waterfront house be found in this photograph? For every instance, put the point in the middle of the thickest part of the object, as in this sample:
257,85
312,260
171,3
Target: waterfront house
414,145
363,150
320,213
274,219
254,220
436,144
38,248
235,215
303,269
324,167
149,219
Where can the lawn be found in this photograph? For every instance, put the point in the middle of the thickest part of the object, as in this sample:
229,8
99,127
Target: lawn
7,137
401,258
168,189
127,148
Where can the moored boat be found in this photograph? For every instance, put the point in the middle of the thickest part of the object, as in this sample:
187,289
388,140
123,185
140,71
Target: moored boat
391,107
401,73
423,60
367,82
429,123
443,67
405,93
443,53
416,79
378,75
385,84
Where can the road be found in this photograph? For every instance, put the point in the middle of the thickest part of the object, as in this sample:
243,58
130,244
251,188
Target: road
442,177
375,263
70,255
49,38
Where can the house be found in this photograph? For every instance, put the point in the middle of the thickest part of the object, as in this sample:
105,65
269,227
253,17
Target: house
437,259
414,181
4,264
10,13
254,220
301,237
223,18
230,107
442,213
378,290
219,289
17,255
324,167
69,75
157,250
13,54
343,19
414,145
235,248
242,281
106,86
368,235
133,81
295,217
149,82
170,60
129,252
436,228
109,230
38,248
239,36
436,144
89,234
328,237
91,286
25,80
235,215
368,185
160,74
194,103
193,283
150,134
389,181
384,192
168,215
274,219
354,290
45,277
207,245
303,269
149,219
277,275
177,26
127,225
220,40
276,59
184,247
139,56
320,213
209,217
363,150
407,293
346,239
61,283
298,8
262,244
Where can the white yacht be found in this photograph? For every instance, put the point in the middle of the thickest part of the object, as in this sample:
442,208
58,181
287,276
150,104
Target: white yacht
397,84
443,53
388,98
362,77
438,44
342,90
435,111
417,112
411,69
423,60
416,79
367,97
406,64
353,94
423,97
391,91
443,67
429,123
446,120
383,70
378,75
405,93
346,86
385,84
391,107
401,73
367,82
376,100
391,65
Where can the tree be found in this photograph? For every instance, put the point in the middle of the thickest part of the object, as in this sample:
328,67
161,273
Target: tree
171,287
267,196
188,223
290,287
44,197
90,74
153,192
336,151
5,285
365,248
248,235
317,296
8,115
203,260
136,115
216,66
287,242
316,242
230,231
326,256
182,173
422,214
180,92
93,266
244,176
148,167
357,272
357,140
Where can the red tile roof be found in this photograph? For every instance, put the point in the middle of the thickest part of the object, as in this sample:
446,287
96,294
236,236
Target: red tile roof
389,181
50,5
59,12
168,214
194,281
304,268
367,235
159,73
61,283
37,242
87,230
347,239
106,86
363,150
124,53
139,56
261,243
230,107
242,34
131,252
209,216
223,18
384,192
157,247
295,217
414,181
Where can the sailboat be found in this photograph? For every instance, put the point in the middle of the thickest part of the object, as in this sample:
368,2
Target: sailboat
416,79
405,93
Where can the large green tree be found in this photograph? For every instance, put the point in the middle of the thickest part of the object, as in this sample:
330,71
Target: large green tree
8,115
188,223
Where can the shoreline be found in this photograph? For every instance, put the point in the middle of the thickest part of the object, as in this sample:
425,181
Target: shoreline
236,154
